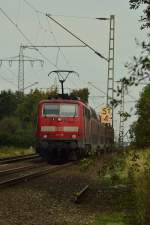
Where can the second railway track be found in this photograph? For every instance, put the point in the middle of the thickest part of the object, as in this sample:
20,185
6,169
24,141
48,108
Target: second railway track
20,174
18,158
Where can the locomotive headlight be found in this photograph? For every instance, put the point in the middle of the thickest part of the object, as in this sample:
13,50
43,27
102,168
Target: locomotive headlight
74,136
45,136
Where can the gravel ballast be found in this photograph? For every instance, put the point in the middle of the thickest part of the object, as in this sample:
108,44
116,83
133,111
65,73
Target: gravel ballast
48,200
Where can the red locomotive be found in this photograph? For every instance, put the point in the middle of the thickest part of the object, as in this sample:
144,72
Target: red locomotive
68,128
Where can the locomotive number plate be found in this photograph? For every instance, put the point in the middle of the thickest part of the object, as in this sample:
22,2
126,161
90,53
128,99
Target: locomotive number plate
60,129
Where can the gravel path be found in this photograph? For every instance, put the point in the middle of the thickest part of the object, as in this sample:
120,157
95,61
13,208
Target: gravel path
48,200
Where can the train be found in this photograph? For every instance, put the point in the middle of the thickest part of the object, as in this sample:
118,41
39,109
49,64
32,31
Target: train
69,129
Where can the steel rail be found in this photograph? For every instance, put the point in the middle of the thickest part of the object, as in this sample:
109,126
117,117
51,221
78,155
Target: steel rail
18,158
17,169
32,175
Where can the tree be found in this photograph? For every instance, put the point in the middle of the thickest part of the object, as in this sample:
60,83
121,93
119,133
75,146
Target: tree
139,67
8,103
82,93
18,115
141,129
145,18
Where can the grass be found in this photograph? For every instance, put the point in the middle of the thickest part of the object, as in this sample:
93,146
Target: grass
12,152
109,219
130,167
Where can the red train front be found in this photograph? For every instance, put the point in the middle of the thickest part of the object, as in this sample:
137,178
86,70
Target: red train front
60,128
67,129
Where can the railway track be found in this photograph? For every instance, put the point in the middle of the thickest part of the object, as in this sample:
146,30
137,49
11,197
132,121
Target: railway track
25,173
18,158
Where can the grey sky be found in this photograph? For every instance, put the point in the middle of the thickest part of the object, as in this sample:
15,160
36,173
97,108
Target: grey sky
41,30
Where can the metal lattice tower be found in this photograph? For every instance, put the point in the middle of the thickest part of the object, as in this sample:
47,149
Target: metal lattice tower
121,124
110,79
21,71
21,59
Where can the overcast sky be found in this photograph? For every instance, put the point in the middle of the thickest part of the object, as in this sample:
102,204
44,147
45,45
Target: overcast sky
78,16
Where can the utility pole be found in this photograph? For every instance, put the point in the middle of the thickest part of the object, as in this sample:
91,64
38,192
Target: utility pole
21,71
21,59
111,56
121,123
110,78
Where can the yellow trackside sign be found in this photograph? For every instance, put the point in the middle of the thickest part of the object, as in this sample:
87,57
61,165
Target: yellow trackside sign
106,115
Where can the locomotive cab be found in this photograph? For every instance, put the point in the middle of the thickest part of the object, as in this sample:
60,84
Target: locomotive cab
59,128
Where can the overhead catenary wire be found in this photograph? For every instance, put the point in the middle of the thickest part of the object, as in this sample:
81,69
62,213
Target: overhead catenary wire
74,35
18,11
33,7
26,38
76,17
8,81
59,47
85,44
11,71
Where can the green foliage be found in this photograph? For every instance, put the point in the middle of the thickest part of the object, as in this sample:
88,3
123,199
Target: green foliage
82,93
145,18
141,129
8,103
139,70
139,67
138,202
6,152
124,115
109,219
126,181
18,115
112,173
86,163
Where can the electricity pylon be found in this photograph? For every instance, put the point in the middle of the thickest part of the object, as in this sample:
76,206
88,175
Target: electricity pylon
121,123
110,78
21,59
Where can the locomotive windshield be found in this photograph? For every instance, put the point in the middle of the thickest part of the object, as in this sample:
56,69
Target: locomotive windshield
55,109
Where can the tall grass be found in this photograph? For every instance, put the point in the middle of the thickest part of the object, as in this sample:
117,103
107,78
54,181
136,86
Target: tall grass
126,178
12,152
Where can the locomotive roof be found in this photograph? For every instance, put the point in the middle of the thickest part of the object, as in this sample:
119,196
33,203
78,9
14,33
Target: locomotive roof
60,100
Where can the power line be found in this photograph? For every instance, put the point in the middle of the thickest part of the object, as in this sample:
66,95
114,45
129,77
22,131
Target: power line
59,47
8,81
76,17
74,35
61,15
33,7
26,38
97,88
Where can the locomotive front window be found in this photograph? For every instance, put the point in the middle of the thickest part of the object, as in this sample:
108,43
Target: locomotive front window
51,109
67,110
